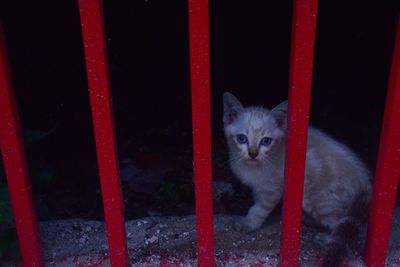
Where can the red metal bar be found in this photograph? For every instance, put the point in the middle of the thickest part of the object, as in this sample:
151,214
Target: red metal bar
387,169
12,148
101,103
303,36
200,81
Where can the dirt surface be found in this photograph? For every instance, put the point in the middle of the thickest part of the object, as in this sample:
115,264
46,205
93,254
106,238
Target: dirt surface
155,241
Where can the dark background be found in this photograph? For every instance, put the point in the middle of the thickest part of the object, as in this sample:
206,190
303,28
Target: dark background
148,52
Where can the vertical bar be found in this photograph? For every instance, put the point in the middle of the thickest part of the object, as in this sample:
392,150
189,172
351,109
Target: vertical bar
200,83
387,169
101,104
12,148
301,62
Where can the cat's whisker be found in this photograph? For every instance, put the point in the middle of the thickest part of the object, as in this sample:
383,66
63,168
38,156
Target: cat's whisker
235,159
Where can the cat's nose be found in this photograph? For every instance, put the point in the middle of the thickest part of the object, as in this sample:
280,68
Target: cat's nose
253,154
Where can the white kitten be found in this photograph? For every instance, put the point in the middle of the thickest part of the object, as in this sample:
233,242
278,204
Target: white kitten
337,184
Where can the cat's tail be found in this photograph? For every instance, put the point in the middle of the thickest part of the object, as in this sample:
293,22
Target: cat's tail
346,234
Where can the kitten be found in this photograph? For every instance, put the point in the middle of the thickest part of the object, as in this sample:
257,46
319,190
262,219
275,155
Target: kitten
337,185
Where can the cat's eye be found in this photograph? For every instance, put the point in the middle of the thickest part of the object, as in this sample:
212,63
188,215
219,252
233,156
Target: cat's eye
266,141
241,139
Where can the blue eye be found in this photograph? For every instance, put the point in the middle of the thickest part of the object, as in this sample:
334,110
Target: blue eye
266,141
241,138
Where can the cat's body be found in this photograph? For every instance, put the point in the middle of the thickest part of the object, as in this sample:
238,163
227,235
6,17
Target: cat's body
336,184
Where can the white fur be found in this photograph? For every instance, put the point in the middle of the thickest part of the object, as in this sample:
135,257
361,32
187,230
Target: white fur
334,175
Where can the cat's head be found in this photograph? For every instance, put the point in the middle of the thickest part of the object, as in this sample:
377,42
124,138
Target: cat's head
253,133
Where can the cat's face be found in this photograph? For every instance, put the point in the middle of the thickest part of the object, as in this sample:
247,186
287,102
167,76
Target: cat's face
253,133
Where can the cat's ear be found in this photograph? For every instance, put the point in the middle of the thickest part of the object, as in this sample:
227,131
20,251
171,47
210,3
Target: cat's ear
280,114
232,108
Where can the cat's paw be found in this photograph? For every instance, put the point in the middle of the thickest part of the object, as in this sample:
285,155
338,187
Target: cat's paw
243,226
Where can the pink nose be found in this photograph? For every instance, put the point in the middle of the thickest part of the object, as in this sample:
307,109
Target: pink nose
253,154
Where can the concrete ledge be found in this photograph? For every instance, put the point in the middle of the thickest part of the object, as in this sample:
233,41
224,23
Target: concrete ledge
166,241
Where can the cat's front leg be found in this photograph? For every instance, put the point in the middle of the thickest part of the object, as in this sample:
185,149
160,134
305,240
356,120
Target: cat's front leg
253,220
265,202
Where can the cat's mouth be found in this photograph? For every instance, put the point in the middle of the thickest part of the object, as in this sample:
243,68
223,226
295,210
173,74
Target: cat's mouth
252,161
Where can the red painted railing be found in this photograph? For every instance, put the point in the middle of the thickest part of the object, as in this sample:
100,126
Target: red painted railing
200,77
100,98
387,168
304,21
301,62
12,149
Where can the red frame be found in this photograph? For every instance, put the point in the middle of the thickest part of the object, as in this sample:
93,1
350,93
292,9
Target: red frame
303,35
200,77
100,97
12,149
301,63
387,169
